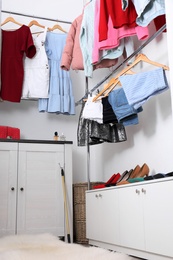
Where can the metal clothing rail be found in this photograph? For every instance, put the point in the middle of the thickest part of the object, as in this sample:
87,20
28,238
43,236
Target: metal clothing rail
128,58
38,17
87,91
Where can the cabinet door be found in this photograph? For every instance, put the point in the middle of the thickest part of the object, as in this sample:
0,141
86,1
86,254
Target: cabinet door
102,216
158,217
131,217
8,187
40,193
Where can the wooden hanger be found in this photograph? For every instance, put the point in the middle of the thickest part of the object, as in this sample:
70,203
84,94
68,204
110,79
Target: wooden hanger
139,58
117,82
111,85
34,22
57,26
12,20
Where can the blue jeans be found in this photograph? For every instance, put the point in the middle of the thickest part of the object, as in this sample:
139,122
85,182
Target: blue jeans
125,113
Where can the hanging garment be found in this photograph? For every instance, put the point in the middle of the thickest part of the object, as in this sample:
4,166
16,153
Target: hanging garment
114,36
36,76
124,112
61,99
86,37
92,133
108,58
119,17
72,55
142,86
93,110
147,10
159,21
108,113
107,132
15,44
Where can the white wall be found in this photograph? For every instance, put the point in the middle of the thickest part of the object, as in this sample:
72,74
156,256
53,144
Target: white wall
150,141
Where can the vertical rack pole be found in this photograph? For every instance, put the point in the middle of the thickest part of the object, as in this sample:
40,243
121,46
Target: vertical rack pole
88,164
88,146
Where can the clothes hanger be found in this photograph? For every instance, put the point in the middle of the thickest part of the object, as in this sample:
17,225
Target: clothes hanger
36,23
110,86
10,19
57,26
129,72
143,57
139,58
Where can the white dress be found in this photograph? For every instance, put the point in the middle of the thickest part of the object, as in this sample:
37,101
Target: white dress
36,70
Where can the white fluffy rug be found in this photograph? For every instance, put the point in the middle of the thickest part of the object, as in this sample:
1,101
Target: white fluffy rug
48,247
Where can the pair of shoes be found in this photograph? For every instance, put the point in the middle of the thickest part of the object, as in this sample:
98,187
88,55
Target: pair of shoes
112,180
139,171
144,171
125,176
155,176
124,180
135,172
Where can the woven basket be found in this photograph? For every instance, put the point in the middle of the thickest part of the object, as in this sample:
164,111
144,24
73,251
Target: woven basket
79,211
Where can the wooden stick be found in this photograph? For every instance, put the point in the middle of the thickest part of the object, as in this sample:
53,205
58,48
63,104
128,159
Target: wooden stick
65,204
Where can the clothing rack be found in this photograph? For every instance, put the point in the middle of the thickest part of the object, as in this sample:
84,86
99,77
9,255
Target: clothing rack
34,16
125,61
102,81
37,17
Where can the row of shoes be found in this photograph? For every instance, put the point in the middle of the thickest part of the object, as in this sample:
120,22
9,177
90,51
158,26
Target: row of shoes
133,175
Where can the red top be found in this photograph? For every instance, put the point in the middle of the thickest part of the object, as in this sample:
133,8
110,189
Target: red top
14,45
113,8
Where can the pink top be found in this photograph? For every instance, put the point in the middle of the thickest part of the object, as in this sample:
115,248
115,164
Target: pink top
114,35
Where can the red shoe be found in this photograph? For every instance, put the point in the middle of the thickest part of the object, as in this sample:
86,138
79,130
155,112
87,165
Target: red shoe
114,181
107,184
99,186
111,179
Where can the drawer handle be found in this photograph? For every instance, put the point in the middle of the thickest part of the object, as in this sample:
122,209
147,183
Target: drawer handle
12,188
100,195
21,189
137,191
143,190
96,196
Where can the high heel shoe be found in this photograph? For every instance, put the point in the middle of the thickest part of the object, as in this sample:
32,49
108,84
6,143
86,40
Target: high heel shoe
135,172
114,181
108,183
125,179
125,175
144,171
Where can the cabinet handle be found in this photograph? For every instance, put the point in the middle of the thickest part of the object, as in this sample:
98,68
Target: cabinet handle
100,195
21,189
96,196
143,190
12,188
137,191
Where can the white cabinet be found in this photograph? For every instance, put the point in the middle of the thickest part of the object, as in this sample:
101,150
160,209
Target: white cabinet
102,217
142,214
132,217
8,184
158,216
31,187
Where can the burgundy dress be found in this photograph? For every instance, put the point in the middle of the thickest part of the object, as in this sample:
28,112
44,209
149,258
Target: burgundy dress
15,45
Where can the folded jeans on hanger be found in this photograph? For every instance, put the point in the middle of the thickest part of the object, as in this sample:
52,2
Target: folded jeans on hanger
124,112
